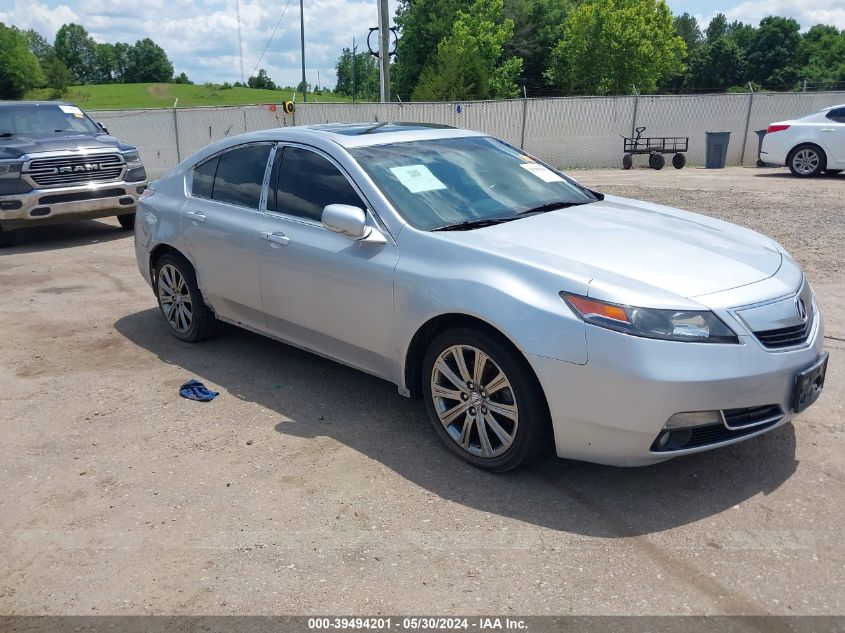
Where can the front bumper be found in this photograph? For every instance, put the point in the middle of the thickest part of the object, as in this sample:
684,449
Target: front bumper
612,409
62,204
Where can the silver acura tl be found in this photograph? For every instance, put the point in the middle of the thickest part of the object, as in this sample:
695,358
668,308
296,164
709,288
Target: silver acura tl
525,309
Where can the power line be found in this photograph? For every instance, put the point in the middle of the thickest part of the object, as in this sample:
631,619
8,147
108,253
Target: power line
270,41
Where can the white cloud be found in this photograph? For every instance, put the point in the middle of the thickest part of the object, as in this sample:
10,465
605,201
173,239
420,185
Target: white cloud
807,12
200,36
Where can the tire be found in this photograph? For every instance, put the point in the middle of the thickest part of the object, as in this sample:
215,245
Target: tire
833,172
627,161
127,221
188,316
656,161
517,407
806,161
678,161
7,238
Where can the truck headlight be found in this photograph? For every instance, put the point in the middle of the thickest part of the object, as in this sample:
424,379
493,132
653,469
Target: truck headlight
10,170
131,157
694,326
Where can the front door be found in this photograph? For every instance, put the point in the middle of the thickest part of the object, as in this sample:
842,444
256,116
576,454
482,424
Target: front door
319,289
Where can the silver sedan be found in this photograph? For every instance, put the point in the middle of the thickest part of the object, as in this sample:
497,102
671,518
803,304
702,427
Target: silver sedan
525,309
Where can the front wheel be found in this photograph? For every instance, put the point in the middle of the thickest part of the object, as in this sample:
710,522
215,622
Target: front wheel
656,161
484,400
627,161
180,299
127,221
807,161
678,161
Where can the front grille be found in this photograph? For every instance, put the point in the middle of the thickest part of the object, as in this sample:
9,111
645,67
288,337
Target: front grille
72,170
78,196
785,337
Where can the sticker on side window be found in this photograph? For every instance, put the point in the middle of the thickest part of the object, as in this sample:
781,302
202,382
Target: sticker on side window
71,110
543,173
417,178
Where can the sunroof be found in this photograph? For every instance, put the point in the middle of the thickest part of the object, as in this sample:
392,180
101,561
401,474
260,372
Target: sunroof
357,129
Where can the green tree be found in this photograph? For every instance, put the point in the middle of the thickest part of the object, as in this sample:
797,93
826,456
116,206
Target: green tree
105,64
182,78
77,50
716,65
610,46
39,45
19,68
717,28
687,27
423,24
773,55
261,80
822,55
57,75
121,61
357,75
537,28
147,62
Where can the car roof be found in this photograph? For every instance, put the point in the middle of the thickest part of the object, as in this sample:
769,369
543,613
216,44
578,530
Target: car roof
32,103
365,134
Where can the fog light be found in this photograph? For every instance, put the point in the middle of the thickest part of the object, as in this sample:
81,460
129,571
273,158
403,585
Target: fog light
693,418
663,439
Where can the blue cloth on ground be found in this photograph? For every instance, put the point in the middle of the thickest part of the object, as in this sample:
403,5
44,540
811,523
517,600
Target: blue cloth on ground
195,390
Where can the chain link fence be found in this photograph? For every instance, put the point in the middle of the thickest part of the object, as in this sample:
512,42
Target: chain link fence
567,132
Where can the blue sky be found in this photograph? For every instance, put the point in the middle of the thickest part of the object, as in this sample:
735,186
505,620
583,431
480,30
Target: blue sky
200,36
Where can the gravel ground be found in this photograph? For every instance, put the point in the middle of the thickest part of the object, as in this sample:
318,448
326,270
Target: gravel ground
308,487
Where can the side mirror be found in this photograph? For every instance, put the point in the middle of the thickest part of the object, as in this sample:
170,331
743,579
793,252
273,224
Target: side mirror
346,220
103,127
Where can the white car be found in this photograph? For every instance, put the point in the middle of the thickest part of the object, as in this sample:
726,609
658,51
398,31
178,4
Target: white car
810,145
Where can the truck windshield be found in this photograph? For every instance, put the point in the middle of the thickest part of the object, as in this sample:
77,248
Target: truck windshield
469,181
46,118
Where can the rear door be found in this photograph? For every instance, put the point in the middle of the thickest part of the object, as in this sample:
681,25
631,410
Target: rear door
220,225
832,132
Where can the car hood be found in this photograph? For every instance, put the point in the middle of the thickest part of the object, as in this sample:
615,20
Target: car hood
20,144
626,244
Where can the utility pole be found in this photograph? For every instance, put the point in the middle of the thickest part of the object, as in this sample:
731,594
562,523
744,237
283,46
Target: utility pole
302,42
354,63
384,49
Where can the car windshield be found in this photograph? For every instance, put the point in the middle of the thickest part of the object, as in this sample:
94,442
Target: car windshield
447,182
45,119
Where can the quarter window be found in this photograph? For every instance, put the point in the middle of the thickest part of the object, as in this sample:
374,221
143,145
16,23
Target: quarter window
240,175
837,114
203,183
307,182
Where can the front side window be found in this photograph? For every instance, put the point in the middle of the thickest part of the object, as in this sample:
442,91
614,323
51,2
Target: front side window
239,175
307,182
443,182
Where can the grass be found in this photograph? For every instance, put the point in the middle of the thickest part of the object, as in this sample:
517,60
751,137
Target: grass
133,96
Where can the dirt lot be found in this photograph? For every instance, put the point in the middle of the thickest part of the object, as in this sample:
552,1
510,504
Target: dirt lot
307,487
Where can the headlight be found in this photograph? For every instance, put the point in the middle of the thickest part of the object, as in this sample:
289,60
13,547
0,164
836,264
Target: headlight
131,157
10,170
668,325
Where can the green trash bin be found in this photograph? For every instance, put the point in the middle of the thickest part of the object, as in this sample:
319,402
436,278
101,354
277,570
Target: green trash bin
717,149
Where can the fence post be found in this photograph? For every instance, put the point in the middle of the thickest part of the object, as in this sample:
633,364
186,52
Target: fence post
636,106
747,123
524,115
176,131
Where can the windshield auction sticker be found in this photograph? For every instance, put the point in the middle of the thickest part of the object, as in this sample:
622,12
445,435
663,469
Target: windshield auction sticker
543,173
417,178
71,110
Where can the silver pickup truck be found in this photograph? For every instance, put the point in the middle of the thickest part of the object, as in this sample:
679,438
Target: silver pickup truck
58,165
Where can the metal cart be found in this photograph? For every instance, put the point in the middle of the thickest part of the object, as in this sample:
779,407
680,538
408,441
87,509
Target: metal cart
655,147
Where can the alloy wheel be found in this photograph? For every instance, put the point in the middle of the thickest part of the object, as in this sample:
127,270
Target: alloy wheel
175,298
474,401
805,161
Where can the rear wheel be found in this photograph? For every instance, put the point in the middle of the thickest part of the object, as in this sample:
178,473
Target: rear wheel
656,161
678,161
181,301
484,400
127,221
7,238
627,161
807,161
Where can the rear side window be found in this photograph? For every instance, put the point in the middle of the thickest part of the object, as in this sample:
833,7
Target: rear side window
307,182
837,114
240,175
203,183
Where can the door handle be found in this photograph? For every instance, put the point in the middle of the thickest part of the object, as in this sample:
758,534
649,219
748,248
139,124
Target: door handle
276,238
828,129
196,216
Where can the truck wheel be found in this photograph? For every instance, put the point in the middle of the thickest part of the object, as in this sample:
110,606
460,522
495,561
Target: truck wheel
127,221
7,238
627,161
678,161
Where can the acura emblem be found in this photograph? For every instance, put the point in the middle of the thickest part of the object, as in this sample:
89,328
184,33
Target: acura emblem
802,309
